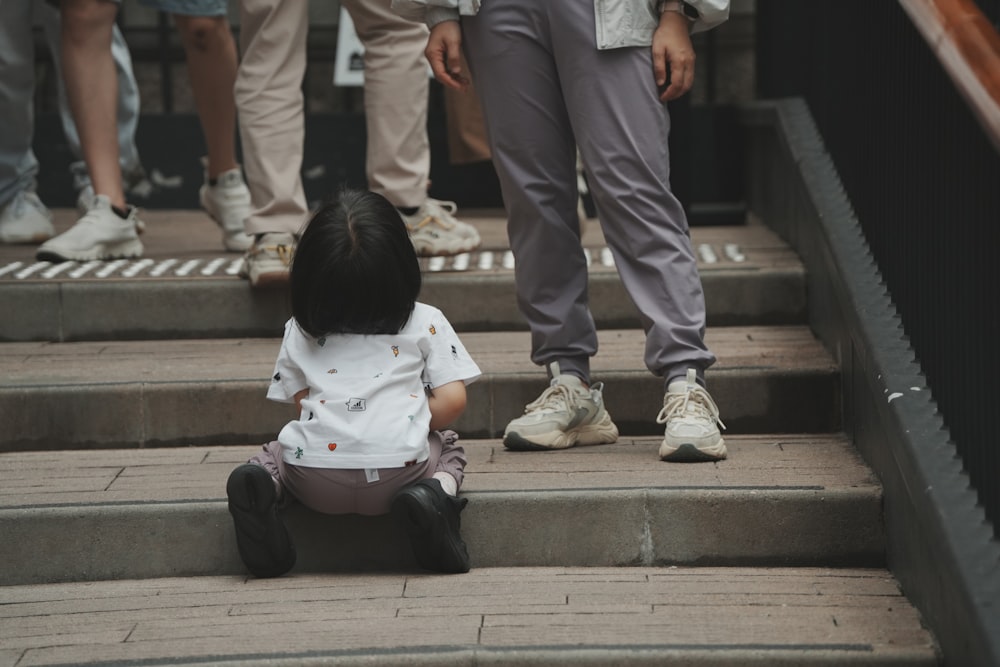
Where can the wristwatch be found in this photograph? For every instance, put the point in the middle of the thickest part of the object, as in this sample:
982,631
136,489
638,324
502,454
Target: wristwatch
682,8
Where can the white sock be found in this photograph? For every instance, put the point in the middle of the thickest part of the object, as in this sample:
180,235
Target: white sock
448,483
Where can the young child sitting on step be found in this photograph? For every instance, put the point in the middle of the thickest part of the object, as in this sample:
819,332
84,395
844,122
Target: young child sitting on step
375,375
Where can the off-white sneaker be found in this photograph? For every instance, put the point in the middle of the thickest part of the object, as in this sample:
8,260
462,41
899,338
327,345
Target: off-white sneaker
25,220
266,263
434,230
100,234
228,203
692,423
567,413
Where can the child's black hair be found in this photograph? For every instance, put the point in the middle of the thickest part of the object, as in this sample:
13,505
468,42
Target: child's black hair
355,270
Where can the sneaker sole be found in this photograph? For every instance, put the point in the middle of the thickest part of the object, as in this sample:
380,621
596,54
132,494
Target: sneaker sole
605,433
261,537
690,453
124,250
446,252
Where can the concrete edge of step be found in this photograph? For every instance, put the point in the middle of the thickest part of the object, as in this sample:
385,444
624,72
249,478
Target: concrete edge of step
579,527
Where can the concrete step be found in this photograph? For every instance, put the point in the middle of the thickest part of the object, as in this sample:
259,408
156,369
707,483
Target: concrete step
490,616
186,287
778,500
211,392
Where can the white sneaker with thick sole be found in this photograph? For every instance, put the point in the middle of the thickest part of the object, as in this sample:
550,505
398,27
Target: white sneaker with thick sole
25,220
228,203
692,423
267,261
568,413
100,234
435,231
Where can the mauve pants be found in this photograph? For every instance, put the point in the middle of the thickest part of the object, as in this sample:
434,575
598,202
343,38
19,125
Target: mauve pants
342,491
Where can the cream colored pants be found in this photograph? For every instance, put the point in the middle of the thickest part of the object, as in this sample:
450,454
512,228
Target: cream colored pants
272,120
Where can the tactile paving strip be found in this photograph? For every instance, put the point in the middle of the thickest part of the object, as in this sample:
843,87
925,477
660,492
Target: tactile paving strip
227,266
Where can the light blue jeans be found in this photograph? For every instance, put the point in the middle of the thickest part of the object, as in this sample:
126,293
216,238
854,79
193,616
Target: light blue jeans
18,165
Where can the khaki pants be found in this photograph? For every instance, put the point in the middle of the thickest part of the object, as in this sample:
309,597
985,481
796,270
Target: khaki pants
272,120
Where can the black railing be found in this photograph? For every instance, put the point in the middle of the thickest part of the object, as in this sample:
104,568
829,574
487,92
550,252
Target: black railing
924,180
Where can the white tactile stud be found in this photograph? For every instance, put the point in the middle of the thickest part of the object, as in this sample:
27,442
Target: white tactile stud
137,268
31,270
461,262
10,268
485,260
707,254
733,252
187,267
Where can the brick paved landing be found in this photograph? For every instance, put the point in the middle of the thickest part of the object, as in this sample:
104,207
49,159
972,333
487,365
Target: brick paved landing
569,616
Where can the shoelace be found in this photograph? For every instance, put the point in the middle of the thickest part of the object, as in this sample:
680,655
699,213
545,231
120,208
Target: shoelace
284,252
551,397
676,404
436,208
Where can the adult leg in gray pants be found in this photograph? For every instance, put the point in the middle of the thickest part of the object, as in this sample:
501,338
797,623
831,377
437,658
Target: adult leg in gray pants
545,89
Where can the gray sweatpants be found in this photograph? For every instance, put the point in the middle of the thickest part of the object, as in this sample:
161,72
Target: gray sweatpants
546,89
341,491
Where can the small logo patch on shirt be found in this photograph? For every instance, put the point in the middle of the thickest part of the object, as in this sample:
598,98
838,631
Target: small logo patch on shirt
356,405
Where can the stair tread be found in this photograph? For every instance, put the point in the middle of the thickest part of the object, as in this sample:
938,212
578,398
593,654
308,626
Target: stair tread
510,615
756,464
33,364
191,234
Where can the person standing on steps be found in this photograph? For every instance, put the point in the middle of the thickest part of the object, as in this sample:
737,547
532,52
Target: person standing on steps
594,74
110,227
375,376
272,124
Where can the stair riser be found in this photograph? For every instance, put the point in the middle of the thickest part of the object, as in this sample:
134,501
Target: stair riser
585,527
215,413
197,308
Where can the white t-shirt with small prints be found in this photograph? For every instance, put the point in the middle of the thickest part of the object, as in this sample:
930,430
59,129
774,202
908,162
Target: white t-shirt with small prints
367,406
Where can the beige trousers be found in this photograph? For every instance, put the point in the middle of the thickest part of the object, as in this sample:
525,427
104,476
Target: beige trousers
272,121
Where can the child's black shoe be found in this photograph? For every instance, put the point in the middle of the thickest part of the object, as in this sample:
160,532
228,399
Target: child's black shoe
431,518
261,537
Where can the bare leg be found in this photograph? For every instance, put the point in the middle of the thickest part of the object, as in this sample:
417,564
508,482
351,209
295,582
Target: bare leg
211,60
92,88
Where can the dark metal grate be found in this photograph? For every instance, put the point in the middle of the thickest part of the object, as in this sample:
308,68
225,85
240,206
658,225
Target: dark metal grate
924,181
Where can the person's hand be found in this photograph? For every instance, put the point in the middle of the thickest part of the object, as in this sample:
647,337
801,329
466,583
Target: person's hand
443,52
673,56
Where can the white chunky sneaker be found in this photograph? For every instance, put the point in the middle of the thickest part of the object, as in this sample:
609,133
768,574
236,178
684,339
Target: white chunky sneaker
25,220
566,414
435,231
100,234
692,419
228,203
267,261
